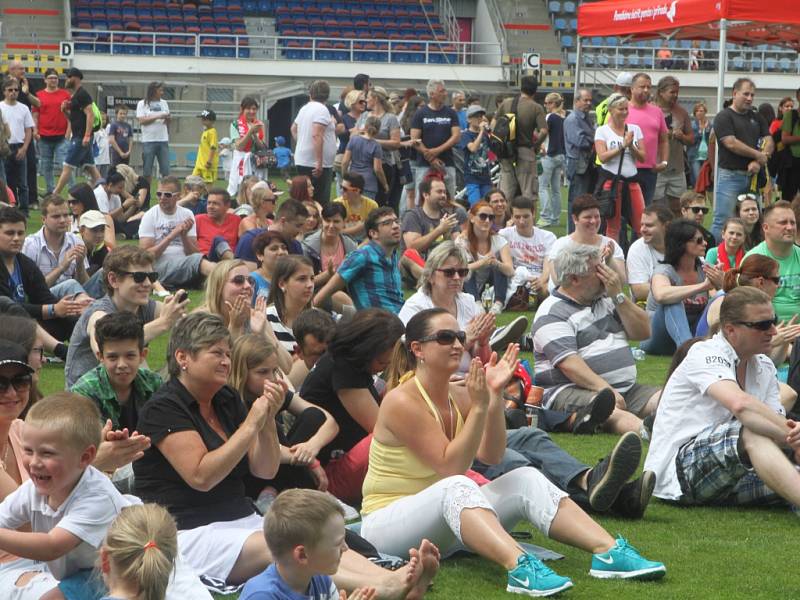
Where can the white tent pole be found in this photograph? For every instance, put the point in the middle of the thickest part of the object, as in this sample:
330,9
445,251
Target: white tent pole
578,65
723,64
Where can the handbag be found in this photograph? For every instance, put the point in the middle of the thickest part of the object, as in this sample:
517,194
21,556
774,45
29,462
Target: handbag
607,198
261,156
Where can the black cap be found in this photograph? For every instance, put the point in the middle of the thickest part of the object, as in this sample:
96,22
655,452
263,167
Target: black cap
14,354
208,114
74,72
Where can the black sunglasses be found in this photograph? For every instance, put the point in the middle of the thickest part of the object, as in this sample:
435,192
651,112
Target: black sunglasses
72,201
776,280
242,279
698,240
140,276
760,325
699,209
451,272
485,216
446,337
20,382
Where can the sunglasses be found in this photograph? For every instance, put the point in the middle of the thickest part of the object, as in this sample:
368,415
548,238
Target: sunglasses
699,209
140,276
699,240
743,197
776,280
760,325
166,195
446,337
451,272
73,201
20,382
242,279
485,216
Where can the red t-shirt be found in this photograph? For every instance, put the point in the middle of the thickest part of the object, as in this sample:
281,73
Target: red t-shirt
52,122
207,230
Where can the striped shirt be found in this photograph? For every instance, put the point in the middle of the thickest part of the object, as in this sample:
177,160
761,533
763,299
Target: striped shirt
373,279
562,327
284,334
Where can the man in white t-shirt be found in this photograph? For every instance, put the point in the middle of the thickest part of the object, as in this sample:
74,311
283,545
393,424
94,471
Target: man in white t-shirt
720,435
109,200
168,231
20,125
648,251
530,247
154,116
314,128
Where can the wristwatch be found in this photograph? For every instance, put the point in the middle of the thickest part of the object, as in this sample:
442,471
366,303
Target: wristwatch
618,299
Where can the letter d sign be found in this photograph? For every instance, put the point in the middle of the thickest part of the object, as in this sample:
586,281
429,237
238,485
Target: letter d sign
65,50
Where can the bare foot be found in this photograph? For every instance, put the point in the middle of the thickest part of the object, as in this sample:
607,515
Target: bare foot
428,555
400,583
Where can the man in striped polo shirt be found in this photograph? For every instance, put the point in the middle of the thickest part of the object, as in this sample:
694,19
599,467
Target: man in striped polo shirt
580,341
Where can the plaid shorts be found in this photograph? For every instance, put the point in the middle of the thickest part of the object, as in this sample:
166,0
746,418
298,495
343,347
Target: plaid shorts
711,470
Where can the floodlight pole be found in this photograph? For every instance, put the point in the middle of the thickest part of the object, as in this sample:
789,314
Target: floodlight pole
578,65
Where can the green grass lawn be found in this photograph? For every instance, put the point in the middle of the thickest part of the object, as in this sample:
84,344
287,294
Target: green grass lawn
710,553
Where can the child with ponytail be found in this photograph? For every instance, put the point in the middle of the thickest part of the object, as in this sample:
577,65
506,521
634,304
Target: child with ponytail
138,556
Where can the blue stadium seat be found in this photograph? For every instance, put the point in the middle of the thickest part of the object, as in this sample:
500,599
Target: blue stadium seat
554,6
756,63
572,59
785,64
560,24
569,8
771,63
567,41
648,61
736,63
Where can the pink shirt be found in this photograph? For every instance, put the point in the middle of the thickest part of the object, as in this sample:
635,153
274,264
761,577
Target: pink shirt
651,121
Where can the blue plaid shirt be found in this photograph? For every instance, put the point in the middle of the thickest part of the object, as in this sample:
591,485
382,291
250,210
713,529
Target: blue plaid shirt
373,279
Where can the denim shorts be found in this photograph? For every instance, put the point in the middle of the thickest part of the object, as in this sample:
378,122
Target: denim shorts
78,155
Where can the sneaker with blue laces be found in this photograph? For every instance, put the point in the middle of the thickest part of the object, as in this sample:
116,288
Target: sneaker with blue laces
623,561
533,578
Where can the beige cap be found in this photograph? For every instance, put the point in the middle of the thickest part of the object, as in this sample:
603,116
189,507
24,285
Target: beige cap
92,219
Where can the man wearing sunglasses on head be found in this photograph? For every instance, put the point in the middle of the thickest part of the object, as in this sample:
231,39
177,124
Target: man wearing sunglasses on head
128,278
720,435
694,208
169,233
780,229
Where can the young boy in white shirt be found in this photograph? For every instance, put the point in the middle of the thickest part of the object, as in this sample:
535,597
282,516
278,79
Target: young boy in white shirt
529,247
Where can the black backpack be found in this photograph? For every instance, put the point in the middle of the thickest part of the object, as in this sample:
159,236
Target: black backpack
503,137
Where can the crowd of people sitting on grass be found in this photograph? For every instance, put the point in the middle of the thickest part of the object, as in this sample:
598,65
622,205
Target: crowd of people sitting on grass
306,389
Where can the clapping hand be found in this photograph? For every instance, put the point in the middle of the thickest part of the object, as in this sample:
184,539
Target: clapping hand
238,311
477,388
499,372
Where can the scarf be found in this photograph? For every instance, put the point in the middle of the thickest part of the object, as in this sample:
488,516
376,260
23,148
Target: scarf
243,127
722,257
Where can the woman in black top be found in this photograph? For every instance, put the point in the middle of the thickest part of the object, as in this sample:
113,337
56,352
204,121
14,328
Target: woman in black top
204,443
342,383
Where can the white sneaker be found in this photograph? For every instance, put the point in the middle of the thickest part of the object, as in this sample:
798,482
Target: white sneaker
350,513
497,307
511,333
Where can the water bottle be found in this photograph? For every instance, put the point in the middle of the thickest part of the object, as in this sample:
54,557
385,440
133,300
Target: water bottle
487,298
638,353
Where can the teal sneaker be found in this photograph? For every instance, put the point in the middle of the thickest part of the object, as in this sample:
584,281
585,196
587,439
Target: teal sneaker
623,561
533,578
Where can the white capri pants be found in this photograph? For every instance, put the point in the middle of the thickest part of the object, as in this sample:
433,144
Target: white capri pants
435,512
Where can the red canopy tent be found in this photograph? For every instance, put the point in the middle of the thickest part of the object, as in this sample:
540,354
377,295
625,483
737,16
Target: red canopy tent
740,21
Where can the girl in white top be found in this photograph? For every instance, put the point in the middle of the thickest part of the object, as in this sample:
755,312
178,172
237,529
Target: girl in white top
488,253
586,217
617,141
440,286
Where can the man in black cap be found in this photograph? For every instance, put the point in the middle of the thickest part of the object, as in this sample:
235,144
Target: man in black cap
207,161
81,120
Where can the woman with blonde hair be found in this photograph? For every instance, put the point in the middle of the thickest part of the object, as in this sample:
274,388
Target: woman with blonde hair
552,162
138,556
365,156
388,137
254,360
262,201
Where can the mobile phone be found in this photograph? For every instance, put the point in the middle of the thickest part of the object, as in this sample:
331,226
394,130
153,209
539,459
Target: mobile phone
181,296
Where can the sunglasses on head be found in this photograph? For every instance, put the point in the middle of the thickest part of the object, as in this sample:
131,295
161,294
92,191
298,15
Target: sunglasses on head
743,197
140,276
450,273
699,209
20,382
760,325
446,337
242,279
485,216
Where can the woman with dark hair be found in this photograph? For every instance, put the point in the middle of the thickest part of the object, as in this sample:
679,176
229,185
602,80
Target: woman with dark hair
247,132
365,156
81,200
496,198
388,136
679,288
749,211
342,382
428,432
328,246
154,117
290,293
205,443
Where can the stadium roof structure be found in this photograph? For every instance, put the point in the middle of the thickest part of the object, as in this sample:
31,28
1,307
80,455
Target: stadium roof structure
747,22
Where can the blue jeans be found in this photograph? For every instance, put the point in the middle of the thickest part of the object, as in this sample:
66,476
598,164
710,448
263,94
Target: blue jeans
476,192
17,177
647,181
68,287
550,188
51,159
496,278
152,151
669,328
578,185
728,185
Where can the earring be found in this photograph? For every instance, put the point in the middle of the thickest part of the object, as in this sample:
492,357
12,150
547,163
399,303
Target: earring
183,368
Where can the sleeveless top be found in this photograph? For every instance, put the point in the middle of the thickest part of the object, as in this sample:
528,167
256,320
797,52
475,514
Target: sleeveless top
395,471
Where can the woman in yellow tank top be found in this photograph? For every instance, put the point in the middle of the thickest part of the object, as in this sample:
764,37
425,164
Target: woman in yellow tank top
427,435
